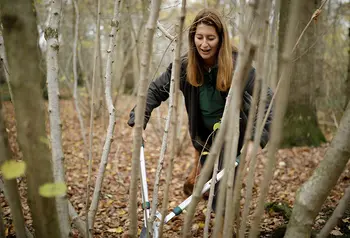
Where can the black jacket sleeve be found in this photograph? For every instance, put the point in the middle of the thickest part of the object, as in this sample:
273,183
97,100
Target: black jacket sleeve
247,101
158,92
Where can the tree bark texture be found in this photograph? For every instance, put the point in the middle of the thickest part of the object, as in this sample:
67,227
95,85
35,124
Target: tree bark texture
280,110
10,186
51,36
21,41
111,111
314,192
140,112
301,126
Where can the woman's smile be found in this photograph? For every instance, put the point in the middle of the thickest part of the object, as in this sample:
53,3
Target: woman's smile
207,43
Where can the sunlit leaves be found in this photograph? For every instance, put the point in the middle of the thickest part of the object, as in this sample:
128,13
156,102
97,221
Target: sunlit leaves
50,190
216,126
12,169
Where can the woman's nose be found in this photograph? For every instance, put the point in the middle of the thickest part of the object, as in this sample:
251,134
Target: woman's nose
205,43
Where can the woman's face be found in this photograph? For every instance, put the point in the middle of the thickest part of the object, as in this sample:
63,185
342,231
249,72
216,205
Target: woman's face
206,40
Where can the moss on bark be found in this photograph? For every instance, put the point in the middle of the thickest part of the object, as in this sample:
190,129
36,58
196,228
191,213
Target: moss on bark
301,127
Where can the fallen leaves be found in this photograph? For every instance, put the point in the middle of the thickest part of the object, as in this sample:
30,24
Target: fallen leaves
293,168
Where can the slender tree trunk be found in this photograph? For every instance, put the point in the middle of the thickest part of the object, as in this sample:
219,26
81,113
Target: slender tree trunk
75,76
176,97
337,214
140,112
280,109
21,37
51,36
111,110
92,110
11,187
7,197
314,192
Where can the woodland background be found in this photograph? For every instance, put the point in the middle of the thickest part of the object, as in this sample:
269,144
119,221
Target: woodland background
96,87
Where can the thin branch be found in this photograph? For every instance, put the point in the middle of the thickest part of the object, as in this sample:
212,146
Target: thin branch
89,223
177,69
140,112
111,110
337,214
280,109
75,75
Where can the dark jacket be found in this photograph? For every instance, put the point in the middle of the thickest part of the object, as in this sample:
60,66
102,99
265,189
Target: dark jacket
158,91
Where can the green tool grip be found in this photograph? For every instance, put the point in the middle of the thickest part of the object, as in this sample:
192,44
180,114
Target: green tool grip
146,205
177,211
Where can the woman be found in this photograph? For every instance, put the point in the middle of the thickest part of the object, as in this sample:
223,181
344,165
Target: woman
205,79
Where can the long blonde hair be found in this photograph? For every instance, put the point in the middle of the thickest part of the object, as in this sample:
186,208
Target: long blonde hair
210,17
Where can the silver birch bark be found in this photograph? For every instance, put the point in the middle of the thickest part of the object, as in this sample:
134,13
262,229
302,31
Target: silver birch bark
111,110
75,76
280,109
140,112
92,108
19,22
337,214
51,36
176,72
314,192
11,186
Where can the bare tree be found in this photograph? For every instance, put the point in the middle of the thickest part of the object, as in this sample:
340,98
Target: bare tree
51,36
111,111
11,188
337,214
92,108
140,112
312,194
75,75
21,37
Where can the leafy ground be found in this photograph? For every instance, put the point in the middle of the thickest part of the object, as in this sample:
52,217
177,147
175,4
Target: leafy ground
294,166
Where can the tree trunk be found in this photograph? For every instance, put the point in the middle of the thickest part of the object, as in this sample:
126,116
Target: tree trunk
21,42
10,186
51,36
301,126
314,192
140,112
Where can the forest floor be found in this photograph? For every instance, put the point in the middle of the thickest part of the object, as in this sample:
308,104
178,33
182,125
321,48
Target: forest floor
294,166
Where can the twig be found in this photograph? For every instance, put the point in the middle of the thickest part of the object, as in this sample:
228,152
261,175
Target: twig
89,222
176,96
75,75
111,110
